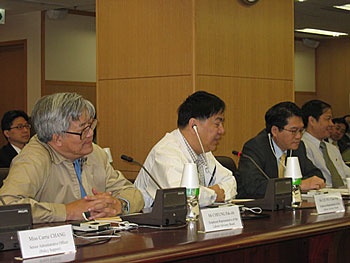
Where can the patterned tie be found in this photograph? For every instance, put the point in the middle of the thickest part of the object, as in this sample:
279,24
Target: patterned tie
281,165
336,179
200,162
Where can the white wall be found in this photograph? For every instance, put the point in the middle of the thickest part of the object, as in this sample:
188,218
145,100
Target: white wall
70,49
27,26
304,68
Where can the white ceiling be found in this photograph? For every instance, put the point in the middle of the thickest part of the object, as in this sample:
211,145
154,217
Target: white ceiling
312,13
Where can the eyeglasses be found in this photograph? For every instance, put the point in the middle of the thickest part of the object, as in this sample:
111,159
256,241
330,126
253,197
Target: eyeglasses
22,126
295,131
85,131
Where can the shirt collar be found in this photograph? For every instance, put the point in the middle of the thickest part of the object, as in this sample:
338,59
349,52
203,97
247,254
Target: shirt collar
55,156
18,150
278,150
311,138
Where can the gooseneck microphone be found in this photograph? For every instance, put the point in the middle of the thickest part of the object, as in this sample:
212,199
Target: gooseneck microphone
240,154
131,160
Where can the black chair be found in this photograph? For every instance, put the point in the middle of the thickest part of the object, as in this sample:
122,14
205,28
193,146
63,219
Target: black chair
228,163
3,174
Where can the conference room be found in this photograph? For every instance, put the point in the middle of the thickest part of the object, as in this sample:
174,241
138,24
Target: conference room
136,61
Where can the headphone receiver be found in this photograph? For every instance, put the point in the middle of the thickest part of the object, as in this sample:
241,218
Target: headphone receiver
194,126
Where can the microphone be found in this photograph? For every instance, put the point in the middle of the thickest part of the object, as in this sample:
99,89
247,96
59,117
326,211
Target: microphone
240,154
131,160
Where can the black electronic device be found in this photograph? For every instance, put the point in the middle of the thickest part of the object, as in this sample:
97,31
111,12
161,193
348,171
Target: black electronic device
170,208
278,193
13,218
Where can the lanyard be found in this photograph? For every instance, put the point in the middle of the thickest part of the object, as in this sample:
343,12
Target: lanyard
212,176
77,168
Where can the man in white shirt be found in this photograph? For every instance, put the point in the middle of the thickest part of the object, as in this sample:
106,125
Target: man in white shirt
200,127
317,117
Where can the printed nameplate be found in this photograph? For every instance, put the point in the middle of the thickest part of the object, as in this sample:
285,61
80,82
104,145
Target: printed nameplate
329,203
46,241
221,218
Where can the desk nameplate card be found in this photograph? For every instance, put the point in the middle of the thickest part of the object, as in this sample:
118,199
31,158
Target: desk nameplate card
329,203
221,218
46,241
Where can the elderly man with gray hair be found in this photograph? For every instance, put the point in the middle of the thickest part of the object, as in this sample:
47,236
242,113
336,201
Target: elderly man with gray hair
61,172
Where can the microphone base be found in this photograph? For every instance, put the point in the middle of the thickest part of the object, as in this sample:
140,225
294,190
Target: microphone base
170,208
278,195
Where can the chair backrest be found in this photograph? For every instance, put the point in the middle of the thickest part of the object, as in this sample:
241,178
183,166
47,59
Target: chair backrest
3,174
228,163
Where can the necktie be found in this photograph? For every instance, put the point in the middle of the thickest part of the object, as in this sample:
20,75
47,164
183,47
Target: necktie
200,168
281,165
77,168
336,179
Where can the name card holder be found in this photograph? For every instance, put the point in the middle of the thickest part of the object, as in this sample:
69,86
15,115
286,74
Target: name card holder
46,241
329,203
221,218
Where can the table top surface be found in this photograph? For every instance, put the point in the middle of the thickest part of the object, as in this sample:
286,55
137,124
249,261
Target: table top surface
155,245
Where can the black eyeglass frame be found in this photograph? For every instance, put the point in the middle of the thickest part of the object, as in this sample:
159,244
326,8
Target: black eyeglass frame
21,127
295,132
85,131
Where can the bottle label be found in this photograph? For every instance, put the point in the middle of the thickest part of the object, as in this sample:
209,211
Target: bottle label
192,191
296,181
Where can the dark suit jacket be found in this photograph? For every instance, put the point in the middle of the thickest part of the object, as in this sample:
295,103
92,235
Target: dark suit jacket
344,143
251,183
7,153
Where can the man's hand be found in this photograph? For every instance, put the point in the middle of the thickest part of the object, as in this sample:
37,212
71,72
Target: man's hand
220,194
312,183
99,205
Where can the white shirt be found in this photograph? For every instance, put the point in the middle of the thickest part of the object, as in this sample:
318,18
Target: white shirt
314,153
166,161
278,153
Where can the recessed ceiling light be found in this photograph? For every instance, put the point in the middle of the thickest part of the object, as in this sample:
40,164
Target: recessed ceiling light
321,32
345,7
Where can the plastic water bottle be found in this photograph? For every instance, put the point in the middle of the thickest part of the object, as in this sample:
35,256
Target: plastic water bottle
192,204
191,182
296,192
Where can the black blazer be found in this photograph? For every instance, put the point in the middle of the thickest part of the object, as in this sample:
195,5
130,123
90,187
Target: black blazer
7,153
344,143
250,182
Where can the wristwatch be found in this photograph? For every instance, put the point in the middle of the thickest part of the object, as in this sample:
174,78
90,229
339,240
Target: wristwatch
125,206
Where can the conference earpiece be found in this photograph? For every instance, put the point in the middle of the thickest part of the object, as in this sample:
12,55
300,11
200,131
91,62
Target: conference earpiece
194,126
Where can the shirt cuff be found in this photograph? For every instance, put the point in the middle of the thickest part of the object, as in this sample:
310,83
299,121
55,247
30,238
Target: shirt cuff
126,206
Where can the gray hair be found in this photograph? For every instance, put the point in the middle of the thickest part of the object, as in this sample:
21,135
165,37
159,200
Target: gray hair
53,114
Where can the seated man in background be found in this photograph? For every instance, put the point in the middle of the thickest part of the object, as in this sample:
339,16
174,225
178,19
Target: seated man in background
16,129
347,134
280,139
200,127
317,117
61,173
337,133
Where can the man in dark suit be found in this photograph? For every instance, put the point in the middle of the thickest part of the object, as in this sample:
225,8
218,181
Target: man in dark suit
338,137
16,129
280,139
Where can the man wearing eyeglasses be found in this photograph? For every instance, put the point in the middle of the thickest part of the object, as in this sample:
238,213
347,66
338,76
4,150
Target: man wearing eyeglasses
271,147
16,129
61,172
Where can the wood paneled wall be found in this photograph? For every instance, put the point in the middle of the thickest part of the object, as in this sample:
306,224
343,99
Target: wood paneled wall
333,74
302,97
86,89
152,54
